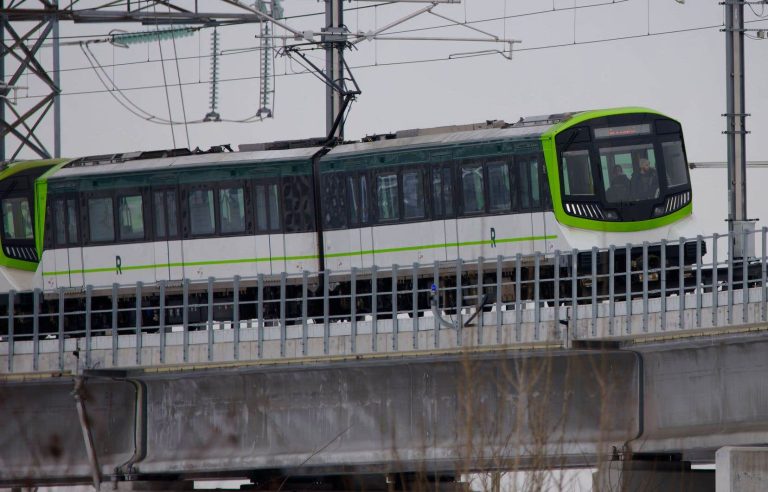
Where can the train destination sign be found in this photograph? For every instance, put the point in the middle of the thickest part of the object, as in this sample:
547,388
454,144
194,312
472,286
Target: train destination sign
623,131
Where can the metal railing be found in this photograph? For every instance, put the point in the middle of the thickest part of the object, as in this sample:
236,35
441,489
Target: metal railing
556,298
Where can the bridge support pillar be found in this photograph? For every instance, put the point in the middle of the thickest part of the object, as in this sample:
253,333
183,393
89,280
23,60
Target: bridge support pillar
742,469
660,473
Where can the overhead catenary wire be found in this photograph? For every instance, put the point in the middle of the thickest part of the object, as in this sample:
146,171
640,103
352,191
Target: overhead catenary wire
155,119
181,91
415,61
119,95
165,84
235,51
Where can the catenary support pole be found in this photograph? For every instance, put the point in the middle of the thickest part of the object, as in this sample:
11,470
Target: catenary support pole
2,79
334,62
736,126
57,83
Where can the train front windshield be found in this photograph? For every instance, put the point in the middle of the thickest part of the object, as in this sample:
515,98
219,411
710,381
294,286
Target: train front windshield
624,168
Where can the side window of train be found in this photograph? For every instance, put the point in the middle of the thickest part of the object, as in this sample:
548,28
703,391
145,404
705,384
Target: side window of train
166,214
334,201
48,239
232,207
499,192
298,211
529,182
63,225
202,213
267,201
546,196
101,219
358,200
413,194
130,213
472,188
387,196
17,218
442,192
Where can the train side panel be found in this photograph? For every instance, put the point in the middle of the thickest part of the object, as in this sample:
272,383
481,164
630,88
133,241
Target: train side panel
301,252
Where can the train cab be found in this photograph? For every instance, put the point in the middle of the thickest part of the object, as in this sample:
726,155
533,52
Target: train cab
622,172
19,252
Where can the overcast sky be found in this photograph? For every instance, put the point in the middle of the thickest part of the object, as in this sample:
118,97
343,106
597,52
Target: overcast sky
681,74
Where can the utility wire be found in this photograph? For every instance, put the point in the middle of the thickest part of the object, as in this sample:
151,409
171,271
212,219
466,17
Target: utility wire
181,90
235,51
410,62
154,119
165,83
119,95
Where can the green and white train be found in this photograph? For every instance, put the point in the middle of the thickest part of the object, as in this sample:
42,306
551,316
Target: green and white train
558,182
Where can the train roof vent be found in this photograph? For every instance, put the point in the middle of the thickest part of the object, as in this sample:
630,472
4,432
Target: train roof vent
97,160
486,125
378,137
547,119
284,144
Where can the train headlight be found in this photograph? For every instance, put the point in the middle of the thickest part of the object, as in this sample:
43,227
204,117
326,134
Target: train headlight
659,210
611,215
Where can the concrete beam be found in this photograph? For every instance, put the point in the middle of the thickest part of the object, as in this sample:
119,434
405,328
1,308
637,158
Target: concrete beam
452,414
652,474
697,399
742,469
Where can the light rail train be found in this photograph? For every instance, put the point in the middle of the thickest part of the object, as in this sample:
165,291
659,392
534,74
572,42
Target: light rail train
557,182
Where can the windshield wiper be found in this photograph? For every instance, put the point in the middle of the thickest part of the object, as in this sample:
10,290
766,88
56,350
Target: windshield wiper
570,140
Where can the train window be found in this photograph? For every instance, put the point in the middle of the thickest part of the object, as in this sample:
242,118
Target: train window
72,232
101,220
232,209
530,196
353,198
131,217
334,201
267,207
674,161
442,192
387,193
546,196
499,198
364,215
261,209
17,218
577,173
629,172
166,214
298,208
273,198
413,195
437,193
61,218
472,188
65,223
201,212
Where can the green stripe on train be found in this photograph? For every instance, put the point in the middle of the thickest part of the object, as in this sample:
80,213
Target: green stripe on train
297,258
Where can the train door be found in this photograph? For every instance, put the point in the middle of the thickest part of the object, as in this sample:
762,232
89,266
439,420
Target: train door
337,238
269,240
167,243
530,186
472,226
298,219
506,226
63,267
360,238
402,236
547,218
443,233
